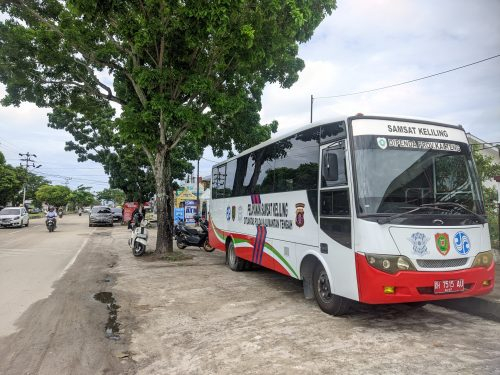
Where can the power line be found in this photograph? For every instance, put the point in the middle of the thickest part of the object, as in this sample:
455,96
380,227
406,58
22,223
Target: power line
406,82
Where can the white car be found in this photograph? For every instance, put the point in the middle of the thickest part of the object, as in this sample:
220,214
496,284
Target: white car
14,217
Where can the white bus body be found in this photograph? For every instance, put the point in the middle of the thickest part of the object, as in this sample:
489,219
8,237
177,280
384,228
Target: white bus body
365,208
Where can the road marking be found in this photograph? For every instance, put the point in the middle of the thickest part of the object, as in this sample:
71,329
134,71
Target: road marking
76,255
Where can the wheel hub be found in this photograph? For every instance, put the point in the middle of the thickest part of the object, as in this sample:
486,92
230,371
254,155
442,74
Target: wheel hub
324,287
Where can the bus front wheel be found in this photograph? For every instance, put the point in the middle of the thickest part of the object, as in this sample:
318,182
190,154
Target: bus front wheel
234,262
327,301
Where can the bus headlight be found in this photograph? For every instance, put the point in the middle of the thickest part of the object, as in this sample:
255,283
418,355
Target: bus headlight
390,263
483,259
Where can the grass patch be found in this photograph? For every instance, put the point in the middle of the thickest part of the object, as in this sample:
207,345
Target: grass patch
37,216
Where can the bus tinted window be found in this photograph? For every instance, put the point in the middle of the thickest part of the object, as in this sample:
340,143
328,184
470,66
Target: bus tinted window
218,183
230,176
296,163
333,131
286,165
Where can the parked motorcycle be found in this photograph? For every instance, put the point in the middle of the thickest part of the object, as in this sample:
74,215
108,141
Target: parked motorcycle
138,238
186,236
51,224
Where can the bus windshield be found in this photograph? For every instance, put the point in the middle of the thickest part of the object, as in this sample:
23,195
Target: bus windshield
403,174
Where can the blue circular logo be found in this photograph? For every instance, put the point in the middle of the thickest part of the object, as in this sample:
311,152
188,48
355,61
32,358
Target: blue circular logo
462,243
228,213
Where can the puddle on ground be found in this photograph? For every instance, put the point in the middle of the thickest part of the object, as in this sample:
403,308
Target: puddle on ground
112,326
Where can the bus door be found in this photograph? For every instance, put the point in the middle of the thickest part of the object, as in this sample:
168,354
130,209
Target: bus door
335,234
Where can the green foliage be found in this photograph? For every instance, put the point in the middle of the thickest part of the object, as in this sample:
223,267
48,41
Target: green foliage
81,197
56,195
486,170
10,182
115,195
33,182
185,74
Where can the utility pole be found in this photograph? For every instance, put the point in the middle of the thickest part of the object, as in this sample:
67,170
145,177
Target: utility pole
29,162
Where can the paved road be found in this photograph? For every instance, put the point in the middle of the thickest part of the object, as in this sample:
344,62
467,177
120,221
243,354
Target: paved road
31,260
50,319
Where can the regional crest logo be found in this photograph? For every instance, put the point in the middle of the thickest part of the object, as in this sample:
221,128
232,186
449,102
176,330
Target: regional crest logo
382,143
419,242
462,243
299,214
442,243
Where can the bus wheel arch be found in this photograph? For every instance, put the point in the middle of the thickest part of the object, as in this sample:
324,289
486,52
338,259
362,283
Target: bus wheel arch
234,262
306,274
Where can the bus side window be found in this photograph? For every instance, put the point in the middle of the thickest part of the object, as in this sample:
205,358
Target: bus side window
333,166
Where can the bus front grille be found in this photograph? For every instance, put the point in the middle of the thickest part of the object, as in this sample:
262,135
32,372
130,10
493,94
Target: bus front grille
441,263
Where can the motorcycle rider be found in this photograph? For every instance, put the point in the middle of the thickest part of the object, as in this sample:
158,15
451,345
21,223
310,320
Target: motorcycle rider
51,214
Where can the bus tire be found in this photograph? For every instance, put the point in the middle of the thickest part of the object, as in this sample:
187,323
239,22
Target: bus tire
234,262
328,302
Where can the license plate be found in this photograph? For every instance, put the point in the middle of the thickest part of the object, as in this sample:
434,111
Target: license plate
448,286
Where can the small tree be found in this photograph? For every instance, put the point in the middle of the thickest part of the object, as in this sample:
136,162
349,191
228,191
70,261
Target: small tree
57,195
81,196
10,182
115,195
487,169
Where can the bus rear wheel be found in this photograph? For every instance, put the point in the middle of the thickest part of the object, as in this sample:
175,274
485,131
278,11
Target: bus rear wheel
327,301
234,262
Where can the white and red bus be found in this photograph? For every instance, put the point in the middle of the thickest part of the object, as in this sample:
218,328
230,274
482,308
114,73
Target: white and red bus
366,208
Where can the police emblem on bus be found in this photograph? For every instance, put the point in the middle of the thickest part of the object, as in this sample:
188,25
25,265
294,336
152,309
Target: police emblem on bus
382,142
228,213
442,243
419,242
233,212
299,214
461,242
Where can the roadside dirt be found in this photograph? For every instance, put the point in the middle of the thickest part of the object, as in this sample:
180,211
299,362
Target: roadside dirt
199,317
65,333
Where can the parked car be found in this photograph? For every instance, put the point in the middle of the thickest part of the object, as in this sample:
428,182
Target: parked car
100,215
117,214
14,217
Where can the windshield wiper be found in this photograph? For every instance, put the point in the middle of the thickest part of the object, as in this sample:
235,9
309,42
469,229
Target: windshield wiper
385,220
480,218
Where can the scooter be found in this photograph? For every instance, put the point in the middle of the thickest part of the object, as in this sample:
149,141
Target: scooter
186,236
138,238
51,224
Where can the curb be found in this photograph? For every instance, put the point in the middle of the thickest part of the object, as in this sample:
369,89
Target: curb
474,306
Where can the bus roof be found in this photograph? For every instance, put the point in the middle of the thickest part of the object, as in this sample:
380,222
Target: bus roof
336,119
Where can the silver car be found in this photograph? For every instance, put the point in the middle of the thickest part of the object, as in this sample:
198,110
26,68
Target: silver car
14,217
100,215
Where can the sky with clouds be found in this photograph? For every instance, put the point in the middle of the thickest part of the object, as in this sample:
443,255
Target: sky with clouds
362,46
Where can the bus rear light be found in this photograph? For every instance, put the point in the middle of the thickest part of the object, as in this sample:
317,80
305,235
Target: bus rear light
390,263
483,259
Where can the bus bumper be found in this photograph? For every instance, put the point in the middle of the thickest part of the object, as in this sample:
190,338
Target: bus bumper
415,286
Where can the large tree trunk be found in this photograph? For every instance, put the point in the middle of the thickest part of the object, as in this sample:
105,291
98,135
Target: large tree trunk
163,176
